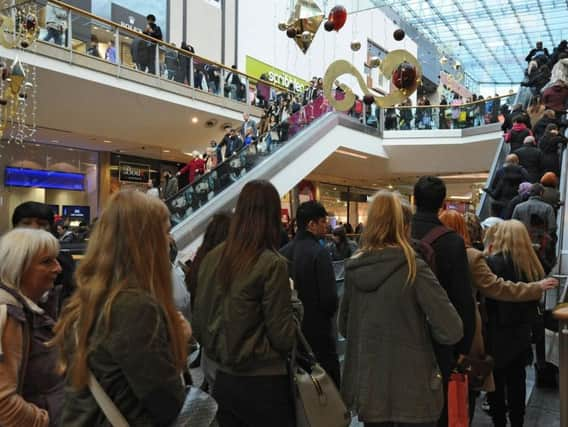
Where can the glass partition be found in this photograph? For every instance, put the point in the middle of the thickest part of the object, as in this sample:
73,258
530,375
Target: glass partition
453,116
240,152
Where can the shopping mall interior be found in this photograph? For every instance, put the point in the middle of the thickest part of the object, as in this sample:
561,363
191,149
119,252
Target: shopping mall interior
336,102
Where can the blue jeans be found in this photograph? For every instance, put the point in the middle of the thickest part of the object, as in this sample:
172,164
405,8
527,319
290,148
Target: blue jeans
55,35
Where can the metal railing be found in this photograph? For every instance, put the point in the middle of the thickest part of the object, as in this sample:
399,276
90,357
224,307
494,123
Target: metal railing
119,48
443,117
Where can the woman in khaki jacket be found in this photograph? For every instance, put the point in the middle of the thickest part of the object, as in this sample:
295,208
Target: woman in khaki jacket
486,283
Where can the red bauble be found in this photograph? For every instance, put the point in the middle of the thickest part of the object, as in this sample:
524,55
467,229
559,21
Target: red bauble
291,32
368,99
399,34
404,77
338,16
329,26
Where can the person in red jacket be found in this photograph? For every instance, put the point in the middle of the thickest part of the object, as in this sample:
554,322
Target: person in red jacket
196,167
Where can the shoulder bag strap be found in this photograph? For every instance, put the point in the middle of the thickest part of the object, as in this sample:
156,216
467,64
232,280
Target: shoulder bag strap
434,234
112,413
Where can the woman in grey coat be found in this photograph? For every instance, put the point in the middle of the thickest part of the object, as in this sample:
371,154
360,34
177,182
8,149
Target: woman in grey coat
392,309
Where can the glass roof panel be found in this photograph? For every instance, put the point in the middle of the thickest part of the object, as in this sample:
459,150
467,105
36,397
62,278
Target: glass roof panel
491,38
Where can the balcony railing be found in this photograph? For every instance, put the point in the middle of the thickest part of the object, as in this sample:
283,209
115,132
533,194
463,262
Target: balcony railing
120,49
455,116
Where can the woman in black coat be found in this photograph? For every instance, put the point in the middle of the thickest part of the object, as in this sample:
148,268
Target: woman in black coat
549,145
510,324
539,128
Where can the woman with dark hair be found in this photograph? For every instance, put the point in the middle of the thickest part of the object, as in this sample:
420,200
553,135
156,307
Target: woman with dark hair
243,318
549,144
215,234
341,247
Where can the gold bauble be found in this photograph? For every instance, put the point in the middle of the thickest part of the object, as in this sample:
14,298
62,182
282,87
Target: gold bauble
355,45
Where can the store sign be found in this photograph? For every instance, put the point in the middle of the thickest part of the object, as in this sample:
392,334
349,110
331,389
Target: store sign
128,18
257,69
347,196
133,172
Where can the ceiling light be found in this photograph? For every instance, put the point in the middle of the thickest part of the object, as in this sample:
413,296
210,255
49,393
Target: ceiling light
37,145
166,151
194,120
349,153
55,141
106,141
188,154
390,187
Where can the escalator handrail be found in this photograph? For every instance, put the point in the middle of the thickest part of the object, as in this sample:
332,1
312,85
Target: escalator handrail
243,150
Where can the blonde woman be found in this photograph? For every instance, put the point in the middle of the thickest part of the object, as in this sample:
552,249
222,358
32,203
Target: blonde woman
489,285
121,324
509,323
31,391
392,308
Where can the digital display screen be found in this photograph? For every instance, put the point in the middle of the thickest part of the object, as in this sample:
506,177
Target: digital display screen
23,177
77,213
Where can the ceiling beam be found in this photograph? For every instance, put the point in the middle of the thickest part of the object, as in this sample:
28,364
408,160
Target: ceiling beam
546,24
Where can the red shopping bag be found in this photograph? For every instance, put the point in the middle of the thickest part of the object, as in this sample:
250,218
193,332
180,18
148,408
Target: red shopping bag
458,402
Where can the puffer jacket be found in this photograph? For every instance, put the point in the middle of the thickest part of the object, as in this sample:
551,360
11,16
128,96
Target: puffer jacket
555,97
391,373
249,327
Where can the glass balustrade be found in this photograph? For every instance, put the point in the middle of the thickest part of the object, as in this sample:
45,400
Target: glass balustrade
85,35
454,116
235,164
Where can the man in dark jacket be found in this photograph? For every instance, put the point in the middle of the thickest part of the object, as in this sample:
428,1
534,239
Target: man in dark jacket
506,183
314,278
530,158
154,31
452,270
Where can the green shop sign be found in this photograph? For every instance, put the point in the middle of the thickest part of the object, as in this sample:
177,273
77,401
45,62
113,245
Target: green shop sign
256,68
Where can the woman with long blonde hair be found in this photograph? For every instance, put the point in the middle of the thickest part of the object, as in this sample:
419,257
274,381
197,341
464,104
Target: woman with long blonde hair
489,285
510,323
392,308
121,325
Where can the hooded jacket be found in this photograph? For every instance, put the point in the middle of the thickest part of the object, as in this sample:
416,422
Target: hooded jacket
555,97
391,373
516,136
530,157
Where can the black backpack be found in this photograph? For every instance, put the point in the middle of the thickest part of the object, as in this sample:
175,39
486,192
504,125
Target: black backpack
424,246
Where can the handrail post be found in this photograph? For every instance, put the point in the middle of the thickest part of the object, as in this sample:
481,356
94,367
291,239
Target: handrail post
157,60
191,81
247,91
69,35
117,50
561,313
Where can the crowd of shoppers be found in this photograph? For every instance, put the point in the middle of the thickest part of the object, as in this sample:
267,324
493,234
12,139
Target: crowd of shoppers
248,295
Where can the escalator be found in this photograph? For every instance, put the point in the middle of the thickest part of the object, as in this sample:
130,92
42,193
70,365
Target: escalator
285,156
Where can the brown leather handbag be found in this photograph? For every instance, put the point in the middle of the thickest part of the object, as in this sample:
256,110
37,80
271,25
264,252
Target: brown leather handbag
317,400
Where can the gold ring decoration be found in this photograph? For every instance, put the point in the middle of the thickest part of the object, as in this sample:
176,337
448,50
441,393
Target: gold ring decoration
401,65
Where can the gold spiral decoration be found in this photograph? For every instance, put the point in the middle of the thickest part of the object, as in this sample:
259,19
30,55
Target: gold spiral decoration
387,66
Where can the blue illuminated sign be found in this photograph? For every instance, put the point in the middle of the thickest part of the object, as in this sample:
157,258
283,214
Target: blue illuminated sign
23,177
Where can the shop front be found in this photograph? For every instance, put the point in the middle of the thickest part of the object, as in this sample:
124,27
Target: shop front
64,178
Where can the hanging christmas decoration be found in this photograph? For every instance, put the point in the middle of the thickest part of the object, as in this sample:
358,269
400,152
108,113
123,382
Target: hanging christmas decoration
355,45
338,16
401,65
328,26
304,23
374,62
399,34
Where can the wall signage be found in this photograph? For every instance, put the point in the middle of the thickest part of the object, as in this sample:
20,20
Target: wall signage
256,68
133,172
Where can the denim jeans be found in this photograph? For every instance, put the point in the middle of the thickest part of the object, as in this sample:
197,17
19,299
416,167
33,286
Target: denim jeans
55,35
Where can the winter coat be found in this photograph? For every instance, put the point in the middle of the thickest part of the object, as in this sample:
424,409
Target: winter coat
247,327
555,97
552,197
133,364
537,207
35,399
509,324
549,145
390,373
519,198
516,136
530,157
541,125
314,279
452,272
506,184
